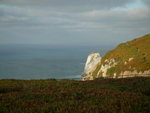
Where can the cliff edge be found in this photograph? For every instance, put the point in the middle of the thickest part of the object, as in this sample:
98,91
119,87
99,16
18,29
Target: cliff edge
92,61
126,60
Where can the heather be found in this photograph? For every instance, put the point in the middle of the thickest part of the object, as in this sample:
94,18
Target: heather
128,95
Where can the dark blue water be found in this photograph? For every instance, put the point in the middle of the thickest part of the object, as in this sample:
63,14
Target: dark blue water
42,62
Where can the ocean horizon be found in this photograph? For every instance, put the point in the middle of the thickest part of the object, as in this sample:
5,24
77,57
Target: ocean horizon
44,62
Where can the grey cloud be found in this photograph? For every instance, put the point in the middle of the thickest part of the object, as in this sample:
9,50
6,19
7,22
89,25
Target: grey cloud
71,4
14,16
147,2
104,19
116,15
96,19
54,21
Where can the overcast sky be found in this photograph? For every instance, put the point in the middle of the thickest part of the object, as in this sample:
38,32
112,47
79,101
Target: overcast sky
73,22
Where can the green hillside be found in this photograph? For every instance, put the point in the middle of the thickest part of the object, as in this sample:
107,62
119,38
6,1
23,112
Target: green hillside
137,49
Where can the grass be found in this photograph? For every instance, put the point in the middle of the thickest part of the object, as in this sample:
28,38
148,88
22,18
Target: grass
130,95
139,49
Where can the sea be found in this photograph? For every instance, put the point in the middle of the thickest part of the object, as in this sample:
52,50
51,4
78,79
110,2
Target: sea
44,61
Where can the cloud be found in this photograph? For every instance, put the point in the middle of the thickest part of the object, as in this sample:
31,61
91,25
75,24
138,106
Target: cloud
147,2
80,19
69,4
104,19
33,16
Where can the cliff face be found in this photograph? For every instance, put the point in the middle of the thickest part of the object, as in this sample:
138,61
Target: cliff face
92,61
126,60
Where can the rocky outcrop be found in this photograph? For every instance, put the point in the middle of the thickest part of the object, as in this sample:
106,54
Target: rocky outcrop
126,60
91,63
104,67
134,73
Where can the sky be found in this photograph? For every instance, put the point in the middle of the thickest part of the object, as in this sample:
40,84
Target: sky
73,22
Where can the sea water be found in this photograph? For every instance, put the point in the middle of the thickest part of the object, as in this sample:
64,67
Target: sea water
44,62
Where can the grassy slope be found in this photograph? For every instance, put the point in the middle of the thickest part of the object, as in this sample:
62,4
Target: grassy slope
139,49
131,95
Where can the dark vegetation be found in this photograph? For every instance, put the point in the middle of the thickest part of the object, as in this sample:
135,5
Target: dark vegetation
130,95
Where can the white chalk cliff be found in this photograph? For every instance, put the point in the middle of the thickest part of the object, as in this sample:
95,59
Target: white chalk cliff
92,60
